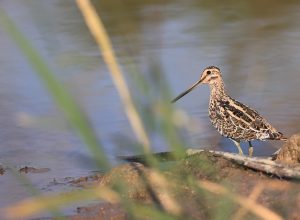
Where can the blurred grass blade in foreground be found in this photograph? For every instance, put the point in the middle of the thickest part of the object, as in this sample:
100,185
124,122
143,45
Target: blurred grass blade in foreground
97,29
63,99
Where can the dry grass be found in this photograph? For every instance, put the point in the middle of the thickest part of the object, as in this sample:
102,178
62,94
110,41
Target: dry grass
97,29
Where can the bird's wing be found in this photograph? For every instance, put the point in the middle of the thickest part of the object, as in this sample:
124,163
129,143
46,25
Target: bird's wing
250,119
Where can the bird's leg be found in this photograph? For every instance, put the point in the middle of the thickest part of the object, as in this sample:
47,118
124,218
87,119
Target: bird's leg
250,149
237,144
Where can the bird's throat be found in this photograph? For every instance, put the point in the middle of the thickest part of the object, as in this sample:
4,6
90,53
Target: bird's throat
217,90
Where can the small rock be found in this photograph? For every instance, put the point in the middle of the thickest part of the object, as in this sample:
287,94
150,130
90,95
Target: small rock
27,169
290,152
2,170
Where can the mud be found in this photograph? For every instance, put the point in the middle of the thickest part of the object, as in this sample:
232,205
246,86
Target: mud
279,195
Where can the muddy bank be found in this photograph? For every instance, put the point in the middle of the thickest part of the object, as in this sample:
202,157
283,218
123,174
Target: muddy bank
278,195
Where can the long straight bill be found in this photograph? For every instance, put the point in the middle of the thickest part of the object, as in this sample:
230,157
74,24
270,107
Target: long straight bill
187,91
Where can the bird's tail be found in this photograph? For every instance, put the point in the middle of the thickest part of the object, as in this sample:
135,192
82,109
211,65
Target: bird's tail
277,136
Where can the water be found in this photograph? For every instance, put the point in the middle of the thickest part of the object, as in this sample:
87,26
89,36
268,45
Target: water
255,44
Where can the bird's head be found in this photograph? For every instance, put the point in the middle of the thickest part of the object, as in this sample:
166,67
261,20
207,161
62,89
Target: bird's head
211,75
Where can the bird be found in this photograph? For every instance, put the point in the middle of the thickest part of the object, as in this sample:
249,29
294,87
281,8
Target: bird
231,118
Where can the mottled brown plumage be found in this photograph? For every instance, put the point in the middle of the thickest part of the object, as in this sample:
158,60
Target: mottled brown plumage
231,118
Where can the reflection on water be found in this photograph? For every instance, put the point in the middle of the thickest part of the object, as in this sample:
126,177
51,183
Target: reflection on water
255,44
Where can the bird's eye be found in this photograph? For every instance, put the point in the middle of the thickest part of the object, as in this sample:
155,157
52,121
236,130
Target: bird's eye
208,72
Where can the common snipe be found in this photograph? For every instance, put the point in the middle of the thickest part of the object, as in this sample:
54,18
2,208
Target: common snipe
231,118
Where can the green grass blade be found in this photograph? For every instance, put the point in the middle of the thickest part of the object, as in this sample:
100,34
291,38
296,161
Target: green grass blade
63,99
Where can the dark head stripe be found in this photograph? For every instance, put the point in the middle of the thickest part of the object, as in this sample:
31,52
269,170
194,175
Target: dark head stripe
212,67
